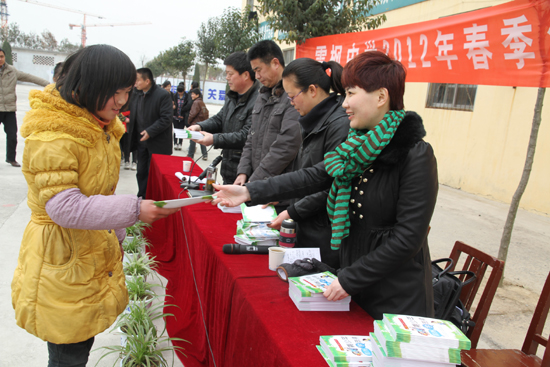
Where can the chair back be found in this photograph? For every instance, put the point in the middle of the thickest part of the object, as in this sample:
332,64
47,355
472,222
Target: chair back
477,262
534,338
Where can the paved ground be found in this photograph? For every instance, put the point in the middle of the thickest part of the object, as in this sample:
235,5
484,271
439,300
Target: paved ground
458,216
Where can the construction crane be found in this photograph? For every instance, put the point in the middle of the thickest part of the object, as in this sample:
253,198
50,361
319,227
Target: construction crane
82,26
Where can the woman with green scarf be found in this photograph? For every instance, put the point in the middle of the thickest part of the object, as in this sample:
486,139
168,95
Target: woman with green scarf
383,188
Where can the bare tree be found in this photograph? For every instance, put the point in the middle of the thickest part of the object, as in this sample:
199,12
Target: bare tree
509,225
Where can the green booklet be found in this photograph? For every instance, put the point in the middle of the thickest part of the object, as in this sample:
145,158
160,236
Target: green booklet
347,348
425,331
178,203
312,285
256,231
397,349
379,358
342,364
257,214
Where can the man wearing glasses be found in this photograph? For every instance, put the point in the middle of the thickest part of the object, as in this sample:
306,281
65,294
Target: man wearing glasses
274,138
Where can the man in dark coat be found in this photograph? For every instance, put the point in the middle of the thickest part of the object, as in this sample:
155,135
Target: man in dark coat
228,129
150,127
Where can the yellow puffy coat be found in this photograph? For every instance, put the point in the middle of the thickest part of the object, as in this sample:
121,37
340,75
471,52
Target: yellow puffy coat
68,285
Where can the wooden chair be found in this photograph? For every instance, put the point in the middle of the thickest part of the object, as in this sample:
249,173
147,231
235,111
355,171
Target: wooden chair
526,357
477,262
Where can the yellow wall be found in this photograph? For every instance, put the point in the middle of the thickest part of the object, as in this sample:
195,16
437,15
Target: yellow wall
482,151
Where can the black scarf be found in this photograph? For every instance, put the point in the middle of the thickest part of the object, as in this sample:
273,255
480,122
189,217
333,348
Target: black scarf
310,121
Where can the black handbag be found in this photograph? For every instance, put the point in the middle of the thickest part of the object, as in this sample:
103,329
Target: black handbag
447,288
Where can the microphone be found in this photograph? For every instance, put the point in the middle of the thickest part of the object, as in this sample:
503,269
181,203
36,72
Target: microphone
236,249
193,185
214,163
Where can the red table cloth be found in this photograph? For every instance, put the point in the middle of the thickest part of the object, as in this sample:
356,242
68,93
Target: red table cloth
244,307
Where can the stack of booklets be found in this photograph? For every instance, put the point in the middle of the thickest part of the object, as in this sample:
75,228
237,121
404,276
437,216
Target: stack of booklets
346,350
257,234
307,293
412,341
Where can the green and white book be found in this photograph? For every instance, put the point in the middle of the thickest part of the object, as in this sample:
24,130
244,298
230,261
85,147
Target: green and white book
380,358
413,351
347,348
312,285
256,231
343,364
244,240
293,291
187,134
425,331
178,203
257,214
325,305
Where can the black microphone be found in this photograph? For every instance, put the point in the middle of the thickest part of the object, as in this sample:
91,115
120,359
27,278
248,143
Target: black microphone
214,163
193,185
235,249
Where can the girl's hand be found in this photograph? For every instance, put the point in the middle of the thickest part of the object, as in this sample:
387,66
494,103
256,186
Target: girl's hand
230,195
335,292
149,212
276,224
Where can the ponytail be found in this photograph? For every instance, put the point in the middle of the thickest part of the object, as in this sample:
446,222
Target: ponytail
305,71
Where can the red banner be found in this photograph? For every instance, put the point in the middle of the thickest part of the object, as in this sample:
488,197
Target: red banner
508,44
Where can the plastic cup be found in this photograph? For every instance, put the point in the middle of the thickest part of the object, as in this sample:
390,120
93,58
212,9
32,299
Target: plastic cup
276,255
186,166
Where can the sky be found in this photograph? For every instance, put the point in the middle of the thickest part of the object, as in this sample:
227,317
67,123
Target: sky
171,21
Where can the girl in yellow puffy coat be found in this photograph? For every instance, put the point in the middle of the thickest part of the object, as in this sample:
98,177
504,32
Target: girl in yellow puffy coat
69,285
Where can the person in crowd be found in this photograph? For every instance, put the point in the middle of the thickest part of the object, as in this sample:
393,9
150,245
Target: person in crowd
383,189
325,125
183,104
194,85
274,137
198,113
69,285
57,71
9,76
228,129
124,116
150,126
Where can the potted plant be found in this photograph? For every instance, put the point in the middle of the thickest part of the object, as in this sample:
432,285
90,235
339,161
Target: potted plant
139,265
143,348
137,229
133,246
140,314
139,291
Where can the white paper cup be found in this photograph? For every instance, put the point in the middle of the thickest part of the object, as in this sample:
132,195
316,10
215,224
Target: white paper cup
276,255
186,166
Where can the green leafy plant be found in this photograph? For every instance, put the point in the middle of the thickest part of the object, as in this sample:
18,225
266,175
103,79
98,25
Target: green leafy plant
135,245
139,289
137,229
143,348
140,265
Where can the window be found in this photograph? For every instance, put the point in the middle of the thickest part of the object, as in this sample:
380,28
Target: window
43,60
250,3
288,56
14,56
451,96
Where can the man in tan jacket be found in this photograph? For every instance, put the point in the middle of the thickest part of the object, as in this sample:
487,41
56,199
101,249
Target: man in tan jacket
8,103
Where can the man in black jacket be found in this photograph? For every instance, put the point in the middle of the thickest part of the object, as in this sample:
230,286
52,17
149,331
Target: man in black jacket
228,129
150,124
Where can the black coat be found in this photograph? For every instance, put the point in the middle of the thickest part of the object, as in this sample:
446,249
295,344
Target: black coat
230,127
187,103
157,113
310,212
385,262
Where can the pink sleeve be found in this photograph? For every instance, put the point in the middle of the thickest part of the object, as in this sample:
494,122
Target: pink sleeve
72,209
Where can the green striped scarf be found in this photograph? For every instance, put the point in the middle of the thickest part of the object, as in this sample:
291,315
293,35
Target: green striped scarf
350,159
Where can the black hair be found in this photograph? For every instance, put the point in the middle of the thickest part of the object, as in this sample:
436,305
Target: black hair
90,84
239,61
196,91
166,83
266,51
194,85
307,71
146,73
57,70
181,87
4,52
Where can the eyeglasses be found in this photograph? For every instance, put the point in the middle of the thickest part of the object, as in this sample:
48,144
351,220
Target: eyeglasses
300,92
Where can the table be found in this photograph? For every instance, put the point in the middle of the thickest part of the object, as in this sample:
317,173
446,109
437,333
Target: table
250,319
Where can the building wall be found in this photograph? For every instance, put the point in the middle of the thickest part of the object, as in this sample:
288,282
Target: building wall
482,151
37,63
